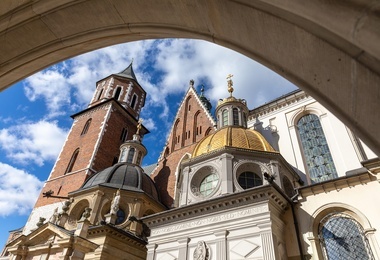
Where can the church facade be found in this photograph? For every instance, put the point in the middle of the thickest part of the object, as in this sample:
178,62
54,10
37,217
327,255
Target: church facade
286,180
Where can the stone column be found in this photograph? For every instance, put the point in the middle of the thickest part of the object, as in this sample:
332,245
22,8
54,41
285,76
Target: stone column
185,186
268,248
221,245
151,251
182,248
227,184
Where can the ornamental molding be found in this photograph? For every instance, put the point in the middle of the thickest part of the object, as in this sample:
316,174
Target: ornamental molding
280,103
264,193
211,220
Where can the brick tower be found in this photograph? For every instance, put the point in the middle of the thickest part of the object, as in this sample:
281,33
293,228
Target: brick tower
94,139
193,121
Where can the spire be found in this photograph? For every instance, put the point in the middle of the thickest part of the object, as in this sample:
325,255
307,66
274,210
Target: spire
204,100
128,73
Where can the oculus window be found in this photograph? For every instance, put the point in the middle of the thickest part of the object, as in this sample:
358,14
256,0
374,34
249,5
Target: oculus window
205,182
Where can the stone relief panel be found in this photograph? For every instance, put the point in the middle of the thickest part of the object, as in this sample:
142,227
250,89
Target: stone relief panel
247,248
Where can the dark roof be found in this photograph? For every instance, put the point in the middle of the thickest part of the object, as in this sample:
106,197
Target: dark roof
123,176
128,73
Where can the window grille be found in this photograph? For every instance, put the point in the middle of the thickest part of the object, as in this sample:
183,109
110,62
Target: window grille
249,180
342,238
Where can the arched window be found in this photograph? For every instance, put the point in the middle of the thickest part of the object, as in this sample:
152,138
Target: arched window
70,166
235,116
133,103
288,187
319,162
100,94
86,126
342,237
130,155
117,93
248,180
225,117
138,161
120,217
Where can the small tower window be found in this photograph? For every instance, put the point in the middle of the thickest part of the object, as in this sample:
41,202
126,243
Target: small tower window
138,161
72,161
235,115
130,155
124,134
117,93
225,117
100,94
86,126
133,103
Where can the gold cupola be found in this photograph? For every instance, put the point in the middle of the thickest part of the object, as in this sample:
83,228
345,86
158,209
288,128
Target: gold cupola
232,128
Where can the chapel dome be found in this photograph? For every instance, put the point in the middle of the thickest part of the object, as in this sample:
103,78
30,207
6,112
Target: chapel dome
232,136
123,176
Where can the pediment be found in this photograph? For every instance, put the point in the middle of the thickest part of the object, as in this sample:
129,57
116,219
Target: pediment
44,235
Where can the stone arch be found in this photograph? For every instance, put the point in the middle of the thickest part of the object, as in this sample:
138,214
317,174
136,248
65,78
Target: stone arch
333,64
179,179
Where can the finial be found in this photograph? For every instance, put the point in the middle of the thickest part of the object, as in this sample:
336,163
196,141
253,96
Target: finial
192,82
230,84
132,61
202,90
139,126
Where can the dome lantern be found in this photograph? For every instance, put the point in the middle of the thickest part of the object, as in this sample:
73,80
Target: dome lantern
231,111
133,151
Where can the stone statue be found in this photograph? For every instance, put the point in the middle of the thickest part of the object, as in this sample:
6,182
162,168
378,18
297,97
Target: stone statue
40,221
53,219
86,213
115,203
201,252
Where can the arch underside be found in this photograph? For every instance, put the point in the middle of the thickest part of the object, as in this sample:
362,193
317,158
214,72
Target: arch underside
330,49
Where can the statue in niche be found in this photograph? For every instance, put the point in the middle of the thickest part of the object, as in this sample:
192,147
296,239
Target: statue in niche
115,203
201,251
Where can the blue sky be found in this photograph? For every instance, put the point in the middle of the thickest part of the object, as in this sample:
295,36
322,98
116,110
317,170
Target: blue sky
35,112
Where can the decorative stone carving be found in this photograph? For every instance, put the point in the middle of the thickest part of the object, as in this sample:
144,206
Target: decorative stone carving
201,252
53,219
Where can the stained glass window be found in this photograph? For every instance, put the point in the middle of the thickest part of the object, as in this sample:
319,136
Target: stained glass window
249,180
342,238
320,164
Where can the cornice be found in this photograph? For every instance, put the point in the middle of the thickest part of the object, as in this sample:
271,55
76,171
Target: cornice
271,107
264,193
337,184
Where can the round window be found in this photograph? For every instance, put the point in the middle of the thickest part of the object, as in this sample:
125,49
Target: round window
249,180
205,181
208,184
120,217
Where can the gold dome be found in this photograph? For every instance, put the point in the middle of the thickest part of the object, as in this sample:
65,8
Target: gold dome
233,137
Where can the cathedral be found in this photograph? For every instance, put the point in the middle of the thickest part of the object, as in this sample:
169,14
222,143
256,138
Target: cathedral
286,180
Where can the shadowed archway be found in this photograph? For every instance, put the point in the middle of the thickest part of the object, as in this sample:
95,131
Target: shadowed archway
331,49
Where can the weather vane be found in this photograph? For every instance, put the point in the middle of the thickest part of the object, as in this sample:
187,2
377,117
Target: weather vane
230,84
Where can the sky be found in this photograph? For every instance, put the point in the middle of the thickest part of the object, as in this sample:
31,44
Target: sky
35,112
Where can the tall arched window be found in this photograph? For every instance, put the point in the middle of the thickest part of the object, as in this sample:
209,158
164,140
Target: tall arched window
225,117
130,155
117,93
86,126
133,103
342,237
319,162
70,166
235,116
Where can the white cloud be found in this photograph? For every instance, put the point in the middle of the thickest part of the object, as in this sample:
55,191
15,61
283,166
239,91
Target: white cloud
18,190
50,85
33,142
